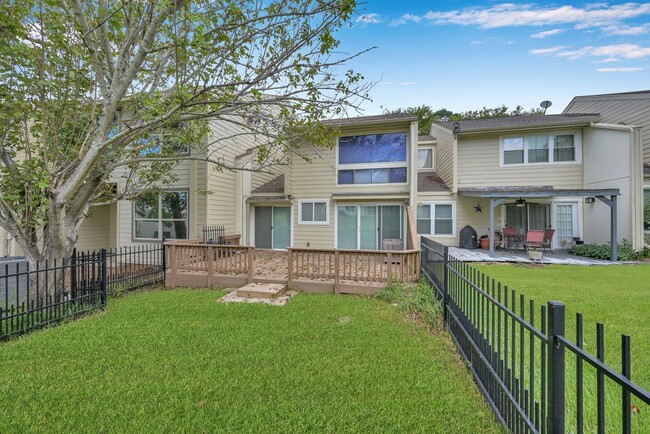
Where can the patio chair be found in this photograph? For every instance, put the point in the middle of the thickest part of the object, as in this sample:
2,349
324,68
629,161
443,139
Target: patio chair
534,240
510,237
548,239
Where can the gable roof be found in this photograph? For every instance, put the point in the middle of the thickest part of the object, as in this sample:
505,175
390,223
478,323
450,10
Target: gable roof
431,181
636,95
521,122
276,185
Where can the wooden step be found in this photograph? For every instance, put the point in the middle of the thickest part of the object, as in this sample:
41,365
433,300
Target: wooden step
261,290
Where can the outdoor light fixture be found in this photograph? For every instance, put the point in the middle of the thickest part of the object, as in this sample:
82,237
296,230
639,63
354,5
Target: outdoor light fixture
521,202
590,199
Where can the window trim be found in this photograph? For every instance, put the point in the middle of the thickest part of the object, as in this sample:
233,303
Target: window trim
160,219
577,142
382,165
433,158
433,217
314,201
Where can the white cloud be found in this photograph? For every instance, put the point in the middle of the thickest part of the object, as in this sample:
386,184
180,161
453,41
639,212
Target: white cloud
606,53
405,19
625,30
546,51
542,35
517,15
407,83
619,69
369,19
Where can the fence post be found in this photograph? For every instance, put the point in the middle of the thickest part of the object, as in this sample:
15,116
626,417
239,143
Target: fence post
337,270
103,284
163,259
555,368
173,267
251,259
73,273
445,284
290,270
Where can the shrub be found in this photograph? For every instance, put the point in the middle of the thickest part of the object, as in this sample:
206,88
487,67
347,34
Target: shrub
603,251
418,301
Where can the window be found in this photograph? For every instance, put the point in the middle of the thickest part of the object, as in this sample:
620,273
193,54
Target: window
372,159
157,216
535,149
314,212
538,149
425,158
436,219
564,148
153,145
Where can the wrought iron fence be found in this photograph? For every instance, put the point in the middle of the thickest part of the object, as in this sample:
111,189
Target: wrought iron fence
518,357
51,291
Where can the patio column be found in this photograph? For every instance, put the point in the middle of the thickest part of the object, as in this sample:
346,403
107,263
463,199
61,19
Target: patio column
494,202
611,202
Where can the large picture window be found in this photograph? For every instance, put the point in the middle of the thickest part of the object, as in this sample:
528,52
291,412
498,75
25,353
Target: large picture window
436,219
158,216
372,159
540,149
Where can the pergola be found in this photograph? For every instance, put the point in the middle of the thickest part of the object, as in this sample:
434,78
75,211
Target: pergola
499,195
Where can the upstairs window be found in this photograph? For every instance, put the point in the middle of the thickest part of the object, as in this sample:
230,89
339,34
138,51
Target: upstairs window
540,149
372,159
425,158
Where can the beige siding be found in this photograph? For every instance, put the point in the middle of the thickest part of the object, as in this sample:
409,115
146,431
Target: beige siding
98,230
478,165
630,109
315,236
268,174
444,155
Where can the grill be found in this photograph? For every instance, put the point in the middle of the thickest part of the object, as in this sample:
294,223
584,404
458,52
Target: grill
467,238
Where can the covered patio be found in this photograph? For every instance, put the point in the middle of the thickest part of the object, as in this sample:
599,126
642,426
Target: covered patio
558,257
499,195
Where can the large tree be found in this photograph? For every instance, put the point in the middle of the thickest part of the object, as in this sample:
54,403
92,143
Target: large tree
90,89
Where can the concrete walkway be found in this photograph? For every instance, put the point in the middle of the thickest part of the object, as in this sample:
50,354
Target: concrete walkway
556,257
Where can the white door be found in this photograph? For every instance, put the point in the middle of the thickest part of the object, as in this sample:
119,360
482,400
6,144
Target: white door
566,224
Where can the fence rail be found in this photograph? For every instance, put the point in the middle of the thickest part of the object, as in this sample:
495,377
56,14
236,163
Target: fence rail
360,266
51,291
517,358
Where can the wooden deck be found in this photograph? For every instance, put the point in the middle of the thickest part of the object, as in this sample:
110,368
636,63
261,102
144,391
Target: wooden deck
194,264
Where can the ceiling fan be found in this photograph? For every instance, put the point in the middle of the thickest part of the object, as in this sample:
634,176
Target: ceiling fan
521,202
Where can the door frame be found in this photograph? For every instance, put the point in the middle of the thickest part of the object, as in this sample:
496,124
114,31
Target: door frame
252,224
358,205
577,227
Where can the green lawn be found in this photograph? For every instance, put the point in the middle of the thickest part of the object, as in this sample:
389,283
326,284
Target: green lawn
617,295
168,361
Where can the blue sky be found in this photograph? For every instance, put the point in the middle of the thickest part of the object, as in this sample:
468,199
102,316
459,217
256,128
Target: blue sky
466,55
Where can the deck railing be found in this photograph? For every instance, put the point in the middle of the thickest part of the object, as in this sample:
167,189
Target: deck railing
354,266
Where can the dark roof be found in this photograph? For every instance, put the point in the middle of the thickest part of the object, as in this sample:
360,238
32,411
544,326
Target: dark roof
276,185
362,120
535,191
636,92
430,181
646,169
426,138
517,122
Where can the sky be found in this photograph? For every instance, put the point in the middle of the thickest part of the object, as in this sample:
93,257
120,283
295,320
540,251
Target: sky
464,56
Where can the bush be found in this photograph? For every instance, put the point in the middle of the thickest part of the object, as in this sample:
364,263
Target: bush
418,301
603,251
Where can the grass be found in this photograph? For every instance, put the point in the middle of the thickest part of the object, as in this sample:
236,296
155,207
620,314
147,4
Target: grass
617,296
178,360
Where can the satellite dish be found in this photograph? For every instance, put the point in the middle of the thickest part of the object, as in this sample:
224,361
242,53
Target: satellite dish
545,104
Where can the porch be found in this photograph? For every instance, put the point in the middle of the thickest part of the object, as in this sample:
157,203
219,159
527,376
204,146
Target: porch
557,257
194,263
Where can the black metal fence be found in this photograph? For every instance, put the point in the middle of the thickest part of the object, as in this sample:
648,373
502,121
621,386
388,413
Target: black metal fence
51,291
518,359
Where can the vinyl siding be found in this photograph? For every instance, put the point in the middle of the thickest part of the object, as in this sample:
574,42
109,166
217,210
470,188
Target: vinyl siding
632,109
478,166
444,155
98,230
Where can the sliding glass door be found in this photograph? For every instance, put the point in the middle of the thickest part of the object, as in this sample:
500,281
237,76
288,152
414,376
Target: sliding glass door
366,227
272,227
